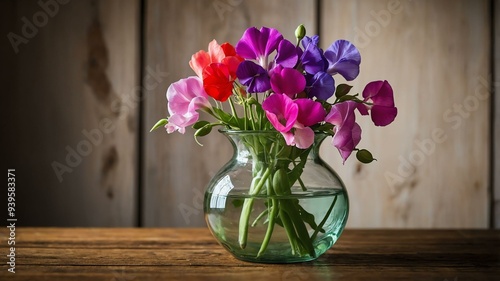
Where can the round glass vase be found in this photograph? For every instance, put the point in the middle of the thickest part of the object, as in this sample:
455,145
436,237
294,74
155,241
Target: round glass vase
273,203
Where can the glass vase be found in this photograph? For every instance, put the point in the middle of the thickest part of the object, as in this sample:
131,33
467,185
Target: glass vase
273,203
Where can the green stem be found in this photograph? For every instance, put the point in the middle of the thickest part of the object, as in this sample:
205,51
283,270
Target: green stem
260,216
320,225
270,226
247,208
302,233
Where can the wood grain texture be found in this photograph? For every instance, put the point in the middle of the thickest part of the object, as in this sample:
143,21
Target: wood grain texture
71,101
193,254
433,161
496,118
176,169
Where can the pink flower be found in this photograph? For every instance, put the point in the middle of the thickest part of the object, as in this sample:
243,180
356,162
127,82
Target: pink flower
347,131
292,118
185,97
383,111
310,113
281,111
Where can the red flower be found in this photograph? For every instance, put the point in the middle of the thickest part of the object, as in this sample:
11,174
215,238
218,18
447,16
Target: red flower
218,81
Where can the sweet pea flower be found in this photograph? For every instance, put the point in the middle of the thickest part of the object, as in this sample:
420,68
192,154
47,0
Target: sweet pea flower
287,81
287,55
309,113
320,85
312,59
258,44
383,111
253,76
347,131
224,53
343,58
218,81
281,111
185,97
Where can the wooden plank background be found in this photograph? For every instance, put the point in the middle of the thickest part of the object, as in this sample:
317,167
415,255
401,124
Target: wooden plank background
496,118
84,67
436,56
74,74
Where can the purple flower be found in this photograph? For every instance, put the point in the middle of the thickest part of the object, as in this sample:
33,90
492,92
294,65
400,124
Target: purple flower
257,44
253,76
287,81
347,131
281,111
320,85
383,111
312,58
185,97
343,58
287,54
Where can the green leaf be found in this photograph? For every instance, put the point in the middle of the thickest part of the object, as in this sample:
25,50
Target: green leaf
160,123
347,97
200,124
203,131
309,219
364,156
342,90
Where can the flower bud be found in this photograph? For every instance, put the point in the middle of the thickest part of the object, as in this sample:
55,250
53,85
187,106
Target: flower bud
364,156
300,32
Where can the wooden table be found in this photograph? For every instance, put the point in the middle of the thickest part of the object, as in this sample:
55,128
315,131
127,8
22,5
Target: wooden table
125,254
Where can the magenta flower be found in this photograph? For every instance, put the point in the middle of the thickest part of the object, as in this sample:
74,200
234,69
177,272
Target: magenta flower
185,97
258,44
287,55
347,131
343,58
383,111
287,81
281,111
309,113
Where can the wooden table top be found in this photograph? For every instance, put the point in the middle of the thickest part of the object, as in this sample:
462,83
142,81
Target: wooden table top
125,254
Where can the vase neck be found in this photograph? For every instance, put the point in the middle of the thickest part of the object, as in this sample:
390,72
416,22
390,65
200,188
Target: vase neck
266,146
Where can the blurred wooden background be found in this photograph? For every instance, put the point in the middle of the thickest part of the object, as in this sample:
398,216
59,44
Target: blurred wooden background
83,81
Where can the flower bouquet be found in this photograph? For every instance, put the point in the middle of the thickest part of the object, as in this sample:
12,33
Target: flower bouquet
277,100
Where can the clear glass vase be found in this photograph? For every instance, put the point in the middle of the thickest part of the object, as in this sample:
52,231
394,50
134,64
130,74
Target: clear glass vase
274,203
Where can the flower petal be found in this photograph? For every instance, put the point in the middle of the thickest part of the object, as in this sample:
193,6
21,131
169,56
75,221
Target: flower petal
287,81
310,112
216,81
253,76
287,54
383,115
255,43
321,85
281,111
343,58
304,137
